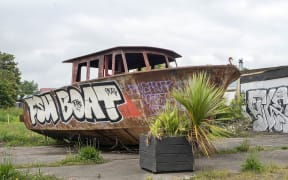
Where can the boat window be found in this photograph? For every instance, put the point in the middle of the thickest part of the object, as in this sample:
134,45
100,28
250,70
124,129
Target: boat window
82,72
94,69
157,61
119,65
172,62
135,62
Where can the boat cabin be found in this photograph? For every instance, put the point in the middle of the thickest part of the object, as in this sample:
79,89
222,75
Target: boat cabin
120,60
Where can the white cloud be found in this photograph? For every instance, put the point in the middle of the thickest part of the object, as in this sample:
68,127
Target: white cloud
41,34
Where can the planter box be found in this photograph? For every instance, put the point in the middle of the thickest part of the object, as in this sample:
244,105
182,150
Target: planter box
166,155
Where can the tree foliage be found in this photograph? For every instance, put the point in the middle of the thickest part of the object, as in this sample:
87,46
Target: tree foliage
9,80
27,88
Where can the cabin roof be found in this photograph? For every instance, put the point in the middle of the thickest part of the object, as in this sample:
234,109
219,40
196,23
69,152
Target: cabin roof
127,48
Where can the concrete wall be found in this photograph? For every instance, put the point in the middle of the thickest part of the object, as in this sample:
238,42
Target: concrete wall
267,104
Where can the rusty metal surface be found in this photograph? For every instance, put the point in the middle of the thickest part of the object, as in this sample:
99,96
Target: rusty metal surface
133,100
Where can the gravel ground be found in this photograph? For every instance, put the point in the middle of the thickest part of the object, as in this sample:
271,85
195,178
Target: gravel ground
123,166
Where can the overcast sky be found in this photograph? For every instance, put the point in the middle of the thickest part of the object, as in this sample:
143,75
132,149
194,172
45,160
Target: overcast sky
43,33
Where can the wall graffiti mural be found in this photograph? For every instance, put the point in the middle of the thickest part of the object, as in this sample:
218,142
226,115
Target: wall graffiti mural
154,94
92,102
268,109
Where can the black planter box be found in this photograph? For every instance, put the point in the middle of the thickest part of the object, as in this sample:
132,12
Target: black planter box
168,154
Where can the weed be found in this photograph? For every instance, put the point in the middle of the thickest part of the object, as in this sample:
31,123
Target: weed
272,168
284,147
258,148
7,170
84,156
90,153
149,178
244,147
252,163
212,174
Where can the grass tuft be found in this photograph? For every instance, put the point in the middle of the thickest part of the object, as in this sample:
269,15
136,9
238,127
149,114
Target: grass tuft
252,163
244,147
90,153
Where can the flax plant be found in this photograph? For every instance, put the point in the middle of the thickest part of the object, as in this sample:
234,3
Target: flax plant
204,103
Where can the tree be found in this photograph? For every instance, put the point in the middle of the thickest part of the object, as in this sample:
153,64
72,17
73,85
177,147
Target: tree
28,88
9,80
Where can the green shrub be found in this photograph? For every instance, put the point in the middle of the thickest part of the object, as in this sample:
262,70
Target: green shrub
90,153
252,163
235,108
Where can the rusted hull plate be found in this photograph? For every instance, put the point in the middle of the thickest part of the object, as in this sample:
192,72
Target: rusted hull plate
118,107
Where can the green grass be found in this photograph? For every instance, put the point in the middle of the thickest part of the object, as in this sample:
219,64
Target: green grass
9,172
267,174
16,134
252,163
10,114
246,147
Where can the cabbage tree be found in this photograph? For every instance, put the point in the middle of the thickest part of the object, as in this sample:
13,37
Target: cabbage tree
204,104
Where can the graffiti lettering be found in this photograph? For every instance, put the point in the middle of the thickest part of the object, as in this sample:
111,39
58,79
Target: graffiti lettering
92,102
268,109
154,94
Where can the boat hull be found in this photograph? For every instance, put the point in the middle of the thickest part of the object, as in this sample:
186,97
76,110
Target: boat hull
112,109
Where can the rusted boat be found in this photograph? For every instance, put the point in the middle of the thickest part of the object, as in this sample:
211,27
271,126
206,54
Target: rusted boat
114,94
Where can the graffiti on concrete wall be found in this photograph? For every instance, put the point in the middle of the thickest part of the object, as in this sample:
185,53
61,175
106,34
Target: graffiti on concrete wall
154,94
268,109
91,102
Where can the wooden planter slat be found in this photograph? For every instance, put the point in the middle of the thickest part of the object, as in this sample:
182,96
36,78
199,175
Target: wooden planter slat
166,155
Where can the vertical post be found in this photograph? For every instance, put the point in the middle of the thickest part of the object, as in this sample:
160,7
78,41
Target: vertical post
100,71
74,72
124,62
106,65
113,63
147,64
88,71
167,62
238,92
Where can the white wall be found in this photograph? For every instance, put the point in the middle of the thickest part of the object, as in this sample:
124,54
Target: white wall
267,104
229,96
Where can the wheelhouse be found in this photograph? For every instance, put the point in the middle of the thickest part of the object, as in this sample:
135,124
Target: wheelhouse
121,60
